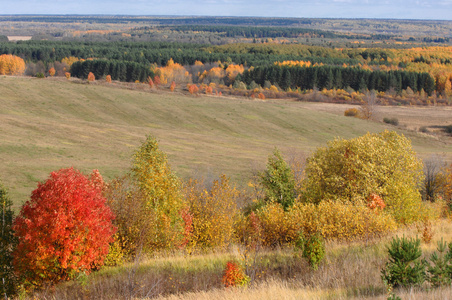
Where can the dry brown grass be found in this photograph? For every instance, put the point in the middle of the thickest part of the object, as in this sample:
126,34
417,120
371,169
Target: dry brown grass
350,271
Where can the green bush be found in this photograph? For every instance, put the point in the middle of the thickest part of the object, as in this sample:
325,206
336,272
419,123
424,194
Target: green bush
392,121
314,250
423,129
448,129
404,268
278,181
40,75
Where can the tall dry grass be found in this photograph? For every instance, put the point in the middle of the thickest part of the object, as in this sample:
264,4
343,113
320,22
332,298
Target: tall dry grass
349,271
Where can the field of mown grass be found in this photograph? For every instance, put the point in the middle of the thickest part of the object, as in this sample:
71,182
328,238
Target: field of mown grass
48,124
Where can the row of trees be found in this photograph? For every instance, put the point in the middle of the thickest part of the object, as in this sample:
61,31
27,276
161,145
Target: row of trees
118,70
73,220
328,77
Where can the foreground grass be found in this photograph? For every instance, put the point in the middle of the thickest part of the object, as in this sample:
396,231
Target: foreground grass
350,270
50,124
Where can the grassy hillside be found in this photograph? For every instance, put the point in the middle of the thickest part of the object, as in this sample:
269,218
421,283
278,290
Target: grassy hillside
50,124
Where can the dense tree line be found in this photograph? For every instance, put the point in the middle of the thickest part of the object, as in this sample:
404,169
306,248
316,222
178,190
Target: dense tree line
182,53
118,70
340,78
257,32
273,32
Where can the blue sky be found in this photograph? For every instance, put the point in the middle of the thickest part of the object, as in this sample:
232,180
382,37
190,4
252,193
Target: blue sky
398,9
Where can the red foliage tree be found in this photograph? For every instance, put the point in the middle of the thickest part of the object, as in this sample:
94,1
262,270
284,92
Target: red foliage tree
173,86
91,77
193,89
157,80
65,228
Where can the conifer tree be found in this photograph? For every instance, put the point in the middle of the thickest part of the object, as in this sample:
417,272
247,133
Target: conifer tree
404,268
440,270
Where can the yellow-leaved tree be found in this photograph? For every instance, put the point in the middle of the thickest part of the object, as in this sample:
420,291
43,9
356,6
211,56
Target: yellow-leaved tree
162,193
350,171
148,203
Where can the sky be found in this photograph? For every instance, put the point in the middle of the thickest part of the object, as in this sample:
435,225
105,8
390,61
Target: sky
385,9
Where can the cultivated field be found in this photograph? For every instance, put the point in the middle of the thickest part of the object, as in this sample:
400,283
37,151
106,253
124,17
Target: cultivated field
50,124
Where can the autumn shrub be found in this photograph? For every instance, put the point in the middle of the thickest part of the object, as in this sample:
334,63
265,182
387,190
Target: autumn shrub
108,78
150,82
52,71
172,86
133,220
64,229
157,80
193,89
391,121
91,77
68,75
249,232
234,275
384,164
7,245
214,212
351,112
341,220
278,226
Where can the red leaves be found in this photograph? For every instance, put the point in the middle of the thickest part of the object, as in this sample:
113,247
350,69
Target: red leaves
65,228
374,201
234,275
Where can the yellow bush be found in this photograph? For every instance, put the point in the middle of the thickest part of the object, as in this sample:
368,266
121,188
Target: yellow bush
214,212
384,164
351,112
278,226
341,220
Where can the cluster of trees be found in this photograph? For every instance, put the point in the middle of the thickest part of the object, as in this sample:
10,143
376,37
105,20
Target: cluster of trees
11,65
73,220
330,77
118,70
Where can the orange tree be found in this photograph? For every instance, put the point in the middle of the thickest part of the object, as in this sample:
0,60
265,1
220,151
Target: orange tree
64,229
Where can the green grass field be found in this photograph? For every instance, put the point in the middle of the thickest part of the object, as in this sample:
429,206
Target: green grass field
50,124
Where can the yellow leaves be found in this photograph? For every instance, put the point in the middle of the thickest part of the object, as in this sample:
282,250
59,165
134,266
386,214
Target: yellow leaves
342,220
70,60
233,70
384,164
11,65
173,72
214,212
